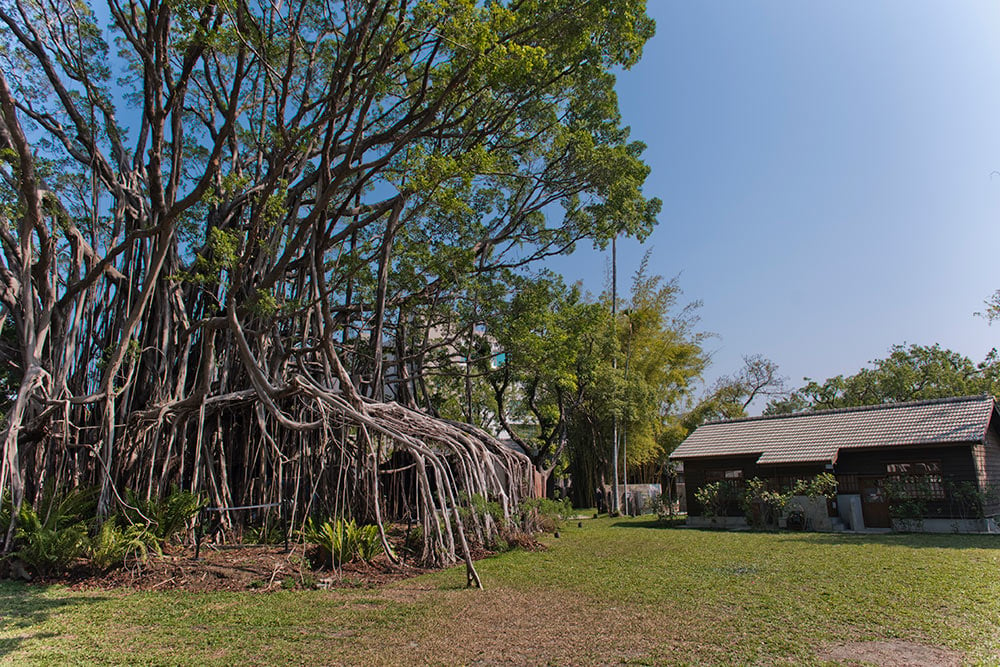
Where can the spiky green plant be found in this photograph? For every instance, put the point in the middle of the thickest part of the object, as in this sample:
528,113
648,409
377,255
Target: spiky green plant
113,545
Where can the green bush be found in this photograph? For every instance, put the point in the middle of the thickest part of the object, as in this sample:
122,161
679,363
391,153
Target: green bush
55,534
823,484
967,501
414,542
49,545
908,503
114,546
542,515
6,509
714,498
167,517
366,540
342,540
477,507
272,531
762,506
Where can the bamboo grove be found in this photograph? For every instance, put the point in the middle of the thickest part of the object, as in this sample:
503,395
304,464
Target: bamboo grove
237,235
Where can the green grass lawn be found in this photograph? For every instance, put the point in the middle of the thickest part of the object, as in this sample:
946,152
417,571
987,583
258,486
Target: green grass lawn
613,590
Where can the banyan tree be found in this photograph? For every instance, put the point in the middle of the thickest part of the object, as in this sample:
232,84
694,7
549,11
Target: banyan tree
238,236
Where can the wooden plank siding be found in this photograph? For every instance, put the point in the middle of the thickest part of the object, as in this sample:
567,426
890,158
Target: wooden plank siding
987,461
696,473
956,465
963,462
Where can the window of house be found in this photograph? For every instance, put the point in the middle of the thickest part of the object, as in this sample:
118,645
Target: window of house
724,476
917,479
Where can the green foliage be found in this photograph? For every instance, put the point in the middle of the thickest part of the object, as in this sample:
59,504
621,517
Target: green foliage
366,540
270,531
6,510
715,497
967,500
477,508
543,515
908,501
342,540
165,517
917,372
51,541
661,506
414,540
761,505
823,484
114,546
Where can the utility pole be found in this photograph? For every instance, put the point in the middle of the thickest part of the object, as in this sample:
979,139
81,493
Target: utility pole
615,506
628,355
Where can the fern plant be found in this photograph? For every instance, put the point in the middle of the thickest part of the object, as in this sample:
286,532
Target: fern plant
114,545
51,544
331,537
366,541
165,518
342,540
55,534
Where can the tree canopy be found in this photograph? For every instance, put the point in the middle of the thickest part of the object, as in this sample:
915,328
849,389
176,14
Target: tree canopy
909,373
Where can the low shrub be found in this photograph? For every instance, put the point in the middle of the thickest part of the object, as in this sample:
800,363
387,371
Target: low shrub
48,546
823,484
542,515
762,506
414,541
477,508
53,536
165,517
271,531
342,540
715,498
366,540
114,546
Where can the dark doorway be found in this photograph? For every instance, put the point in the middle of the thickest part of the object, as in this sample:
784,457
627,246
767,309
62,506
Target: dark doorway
874,506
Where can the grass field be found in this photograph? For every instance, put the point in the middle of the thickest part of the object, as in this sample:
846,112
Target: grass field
611,591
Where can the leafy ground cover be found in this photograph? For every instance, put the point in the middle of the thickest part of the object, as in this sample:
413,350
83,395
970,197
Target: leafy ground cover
608,590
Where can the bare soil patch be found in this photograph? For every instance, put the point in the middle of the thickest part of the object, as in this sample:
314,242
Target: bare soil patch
516,627
891,653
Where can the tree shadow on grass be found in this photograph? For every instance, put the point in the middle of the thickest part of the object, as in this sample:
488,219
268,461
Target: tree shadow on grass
908,540
650,523
23,607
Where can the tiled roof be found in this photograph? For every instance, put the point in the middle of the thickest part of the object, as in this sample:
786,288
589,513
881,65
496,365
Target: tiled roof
818,436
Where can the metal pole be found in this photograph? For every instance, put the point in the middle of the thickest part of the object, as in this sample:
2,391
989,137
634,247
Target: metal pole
616,507
628,355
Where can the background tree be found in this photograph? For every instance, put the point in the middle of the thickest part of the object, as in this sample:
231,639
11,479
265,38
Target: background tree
913,373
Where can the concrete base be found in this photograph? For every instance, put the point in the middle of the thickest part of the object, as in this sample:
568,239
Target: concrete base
849,509
988,525
817,517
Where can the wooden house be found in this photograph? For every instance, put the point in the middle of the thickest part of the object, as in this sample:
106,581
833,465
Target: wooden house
943,456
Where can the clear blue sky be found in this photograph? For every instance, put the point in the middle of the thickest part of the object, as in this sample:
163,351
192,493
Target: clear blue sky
825,170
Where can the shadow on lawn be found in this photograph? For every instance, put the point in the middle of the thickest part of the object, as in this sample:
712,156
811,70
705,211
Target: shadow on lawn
23,607
649,523
910,540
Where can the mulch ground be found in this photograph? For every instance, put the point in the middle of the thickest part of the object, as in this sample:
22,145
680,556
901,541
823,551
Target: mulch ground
235,568
242,567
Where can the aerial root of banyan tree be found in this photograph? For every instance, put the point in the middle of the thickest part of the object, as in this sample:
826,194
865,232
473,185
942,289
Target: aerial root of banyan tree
302,445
